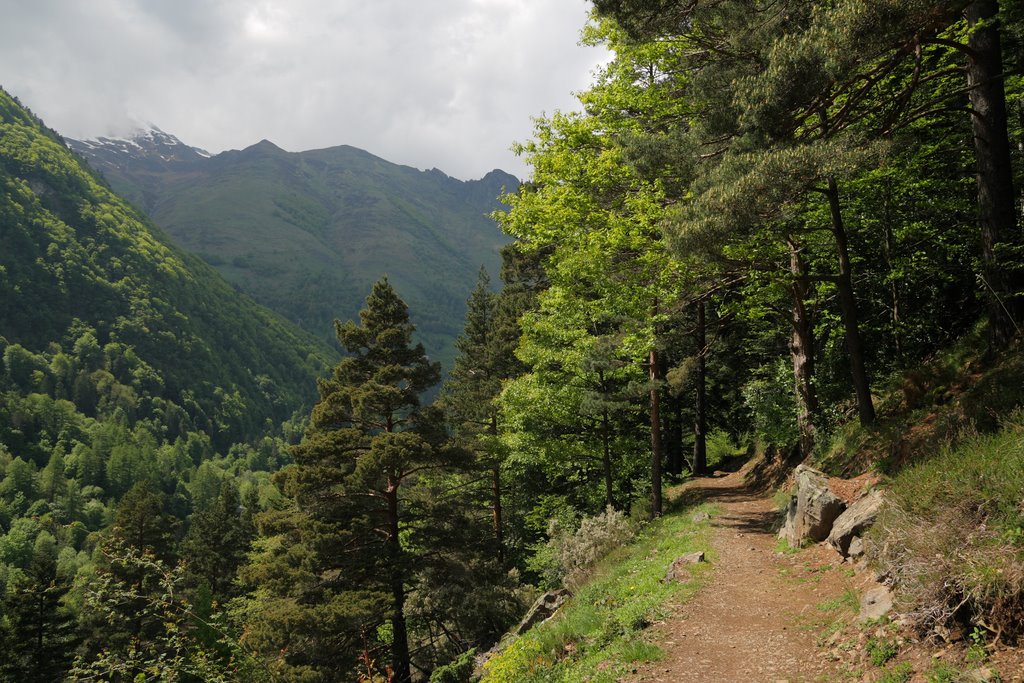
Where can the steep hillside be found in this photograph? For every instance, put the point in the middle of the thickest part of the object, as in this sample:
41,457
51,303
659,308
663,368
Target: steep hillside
307,233
106,307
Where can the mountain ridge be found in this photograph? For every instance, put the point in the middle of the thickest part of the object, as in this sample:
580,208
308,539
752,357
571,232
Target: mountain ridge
306,233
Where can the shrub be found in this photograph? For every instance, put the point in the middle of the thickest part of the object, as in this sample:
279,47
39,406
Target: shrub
459,671
579,551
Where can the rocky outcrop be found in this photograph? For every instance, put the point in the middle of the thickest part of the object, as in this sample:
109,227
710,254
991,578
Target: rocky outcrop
812,509
875,604
849,527
677,570
543,609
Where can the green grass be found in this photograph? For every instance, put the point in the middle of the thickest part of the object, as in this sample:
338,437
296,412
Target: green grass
881,650
900,673
598,635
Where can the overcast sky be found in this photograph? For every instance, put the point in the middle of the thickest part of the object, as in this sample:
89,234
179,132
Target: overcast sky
441,83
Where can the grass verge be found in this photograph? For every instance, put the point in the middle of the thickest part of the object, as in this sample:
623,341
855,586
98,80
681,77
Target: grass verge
598,635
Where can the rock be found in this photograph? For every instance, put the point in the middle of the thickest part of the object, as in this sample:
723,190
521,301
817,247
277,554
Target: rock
856,547
854,521
982,675
699,517
812,510
543,609
875,604
677,570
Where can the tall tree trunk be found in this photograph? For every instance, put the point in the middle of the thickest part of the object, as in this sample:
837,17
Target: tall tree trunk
848,310
700,427
994,172
673,421
801,350
400,635
656,449
895,314
606,458
499,535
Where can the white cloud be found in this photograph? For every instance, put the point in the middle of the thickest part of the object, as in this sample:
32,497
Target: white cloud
449,83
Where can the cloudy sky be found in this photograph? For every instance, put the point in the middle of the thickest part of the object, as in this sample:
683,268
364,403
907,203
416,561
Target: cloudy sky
446,83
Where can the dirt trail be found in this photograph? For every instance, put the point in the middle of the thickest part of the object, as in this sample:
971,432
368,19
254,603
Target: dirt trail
761,612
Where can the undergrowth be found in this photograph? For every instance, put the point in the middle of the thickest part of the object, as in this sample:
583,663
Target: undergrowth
952,534
927,408
598,634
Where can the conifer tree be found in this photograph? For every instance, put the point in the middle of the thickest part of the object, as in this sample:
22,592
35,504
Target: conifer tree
474,383
346,554
42,627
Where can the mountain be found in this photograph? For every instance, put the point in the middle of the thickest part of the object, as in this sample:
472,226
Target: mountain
307,233
98,306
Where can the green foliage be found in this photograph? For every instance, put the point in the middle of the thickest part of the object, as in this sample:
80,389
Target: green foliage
166,643
900,673
140,318
459,671
880,650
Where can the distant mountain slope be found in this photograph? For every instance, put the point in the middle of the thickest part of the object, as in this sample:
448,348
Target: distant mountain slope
307,233
80,268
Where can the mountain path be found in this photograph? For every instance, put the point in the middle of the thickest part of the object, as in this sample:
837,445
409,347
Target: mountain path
761,612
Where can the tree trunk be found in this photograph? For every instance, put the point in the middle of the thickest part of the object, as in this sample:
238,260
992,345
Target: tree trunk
606,458
656,508
400,635
801,350
700,427
673,421
895,315
499,535
994,172
848,310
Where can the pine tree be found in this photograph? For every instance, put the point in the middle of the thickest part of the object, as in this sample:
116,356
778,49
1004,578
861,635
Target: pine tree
347,552
42,627
217,542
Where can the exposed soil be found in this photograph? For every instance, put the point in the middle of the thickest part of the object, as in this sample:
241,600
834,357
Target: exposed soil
761,614
774,616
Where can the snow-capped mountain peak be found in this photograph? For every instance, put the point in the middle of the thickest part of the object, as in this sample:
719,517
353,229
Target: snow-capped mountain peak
144,144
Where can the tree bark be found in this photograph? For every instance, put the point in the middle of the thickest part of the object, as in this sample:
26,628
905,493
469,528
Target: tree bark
700,427
499,535
656,508
801,350
606,458
996,207
400,635
848,310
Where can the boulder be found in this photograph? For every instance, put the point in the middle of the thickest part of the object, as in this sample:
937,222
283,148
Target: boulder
812,510
854,521
677,570
875,604
543,609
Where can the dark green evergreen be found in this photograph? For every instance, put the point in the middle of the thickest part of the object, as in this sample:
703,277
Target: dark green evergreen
369,445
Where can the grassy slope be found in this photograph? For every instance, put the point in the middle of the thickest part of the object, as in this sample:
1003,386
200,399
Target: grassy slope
598,634
949,445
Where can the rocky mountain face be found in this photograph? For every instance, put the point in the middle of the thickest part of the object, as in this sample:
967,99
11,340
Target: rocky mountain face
307,233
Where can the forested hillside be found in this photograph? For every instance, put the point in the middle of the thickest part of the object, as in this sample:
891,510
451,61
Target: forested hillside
307,233
131,372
